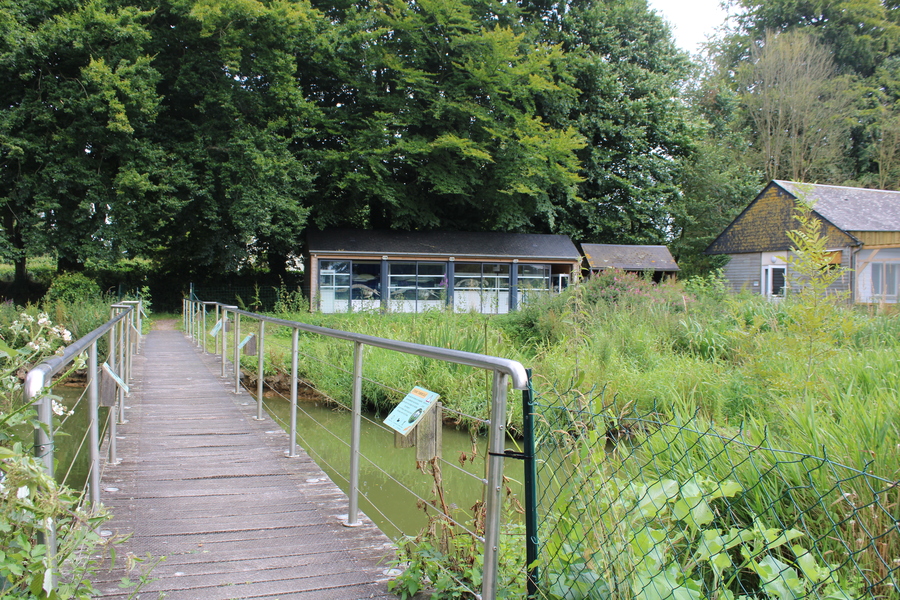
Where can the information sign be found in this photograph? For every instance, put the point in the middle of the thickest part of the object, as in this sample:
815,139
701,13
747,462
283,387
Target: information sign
215,330
244,341
411,409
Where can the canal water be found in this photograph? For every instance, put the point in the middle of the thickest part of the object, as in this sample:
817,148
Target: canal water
389,479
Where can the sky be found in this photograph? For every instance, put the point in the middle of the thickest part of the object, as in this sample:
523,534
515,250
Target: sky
691,20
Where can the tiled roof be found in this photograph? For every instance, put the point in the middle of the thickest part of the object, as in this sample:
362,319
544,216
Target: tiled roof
629,258
443,243
850,209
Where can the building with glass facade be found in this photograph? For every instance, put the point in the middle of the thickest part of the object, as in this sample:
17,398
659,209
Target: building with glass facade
358,270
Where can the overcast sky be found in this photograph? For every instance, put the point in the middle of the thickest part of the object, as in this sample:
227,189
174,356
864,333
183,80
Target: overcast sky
691,20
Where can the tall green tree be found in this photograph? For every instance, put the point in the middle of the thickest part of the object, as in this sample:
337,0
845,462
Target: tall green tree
620,57
230,123
78,99
429,120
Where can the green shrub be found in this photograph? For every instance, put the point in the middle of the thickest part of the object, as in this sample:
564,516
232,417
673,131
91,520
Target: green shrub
71,288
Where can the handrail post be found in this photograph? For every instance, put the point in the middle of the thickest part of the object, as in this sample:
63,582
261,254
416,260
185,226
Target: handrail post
93,400
260,369
292,448
353,515
221,330
237,353
203,330
494,489
126,371
43,440
123,365
224,336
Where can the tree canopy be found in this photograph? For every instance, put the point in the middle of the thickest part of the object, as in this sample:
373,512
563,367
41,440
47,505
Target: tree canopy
209,134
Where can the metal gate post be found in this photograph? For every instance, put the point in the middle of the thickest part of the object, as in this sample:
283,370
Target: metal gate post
353,515
203,332
531,516
94,402
494,490
260,369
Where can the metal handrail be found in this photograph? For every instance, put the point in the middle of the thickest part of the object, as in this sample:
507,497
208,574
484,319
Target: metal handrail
513,368
39,377
505,372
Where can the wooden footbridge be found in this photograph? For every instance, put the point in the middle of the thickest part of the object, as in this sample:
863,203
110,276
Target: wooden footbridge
204,484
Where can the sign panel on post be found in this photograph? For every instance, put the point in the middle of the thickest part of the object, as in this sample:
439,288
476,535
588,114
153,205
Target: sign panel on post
411,409
215,330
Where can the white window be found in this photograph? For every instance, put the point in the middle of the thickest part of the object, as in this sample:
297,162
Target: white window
884,281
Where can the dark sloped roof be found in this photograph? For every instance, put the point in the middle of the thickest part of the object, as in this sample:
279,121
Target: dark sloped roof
850,209
443,243
629,258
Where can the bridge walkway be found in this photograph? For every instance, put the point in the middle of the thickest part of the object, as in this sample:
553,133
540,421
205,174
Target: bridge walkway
205,485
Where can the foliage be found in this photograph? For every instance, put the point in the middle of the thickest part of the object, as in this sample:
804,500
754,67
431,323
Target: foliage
79,98
71,288
31,502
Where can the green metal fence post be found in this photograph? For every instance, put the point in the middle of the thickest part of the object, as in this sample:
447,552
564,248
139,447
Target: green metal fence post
531,516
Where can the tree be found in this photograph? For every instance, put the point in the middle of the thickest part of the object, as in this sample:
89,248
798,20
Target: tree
78,96
860,33
620,58
229,123
429,120
796,107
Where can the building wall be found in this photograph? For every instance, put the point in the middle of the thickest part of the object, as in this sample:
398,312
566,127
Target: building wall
763,226
743,271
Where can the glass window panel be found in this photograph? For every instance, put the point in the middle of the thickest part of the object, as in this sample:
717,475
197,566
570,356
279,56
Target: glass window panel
877,278
468,268
366,278
334,286
890,279
432,269
398,268
778,281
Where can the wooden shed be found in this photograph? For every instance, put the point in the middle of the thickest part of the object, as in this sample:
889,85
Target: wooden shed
352,270
639,259
862,228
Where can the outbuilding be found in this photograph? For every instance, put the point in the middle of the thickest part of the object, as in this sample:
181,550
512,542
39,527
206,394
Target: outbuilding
861,226
352,270
634,258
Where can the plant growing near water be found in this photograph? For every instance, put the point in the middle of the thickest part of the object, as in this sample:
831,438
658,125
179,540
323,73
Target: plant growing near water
31,502
655,539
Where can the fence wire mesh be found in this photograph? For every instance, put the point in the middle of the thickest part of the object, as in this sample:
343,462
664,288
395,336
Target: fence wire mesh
637,506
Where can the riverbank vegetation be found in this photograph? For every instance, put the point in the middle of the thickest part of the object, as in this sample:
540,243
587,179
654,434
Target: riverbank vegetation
671,348
806,376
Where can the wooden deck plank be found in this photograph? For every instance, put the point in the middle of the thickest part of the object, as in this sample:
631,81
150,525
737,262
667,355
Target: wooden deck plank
210,488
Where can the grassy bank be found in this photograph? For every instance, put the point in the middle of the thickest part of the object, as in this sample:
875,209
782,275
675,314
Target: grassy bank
639,347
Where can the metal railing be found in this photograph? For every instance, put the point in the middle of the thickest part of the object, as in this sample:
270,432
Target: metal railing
124,331
505,372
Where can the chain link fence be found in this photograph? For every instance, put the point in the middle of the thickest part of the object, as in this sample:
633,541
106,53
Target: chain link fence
637,506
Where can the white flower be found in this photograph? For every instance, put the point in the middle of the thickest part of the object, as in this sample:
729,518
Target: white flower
58,409
27,318
66,335
44,320
23,492
34,345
